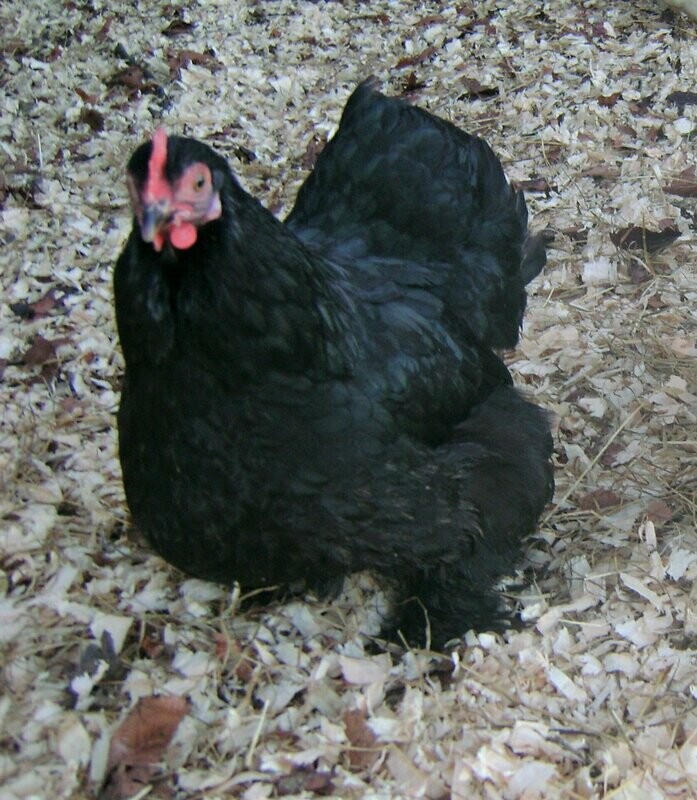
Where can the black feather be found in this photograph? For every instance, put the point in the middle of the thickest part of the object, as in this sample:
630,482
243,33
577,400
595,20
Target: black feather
310,398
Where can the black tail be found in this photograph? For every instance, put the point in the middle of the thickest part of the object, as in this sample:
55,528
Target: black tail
535,254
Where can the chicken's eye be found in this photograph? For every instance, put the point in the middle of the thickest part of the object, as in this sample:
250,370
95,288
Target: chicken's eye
199,183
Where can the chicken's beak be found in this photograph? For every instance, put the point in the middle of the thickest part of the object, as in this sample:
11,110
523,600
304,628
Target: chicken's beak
153,219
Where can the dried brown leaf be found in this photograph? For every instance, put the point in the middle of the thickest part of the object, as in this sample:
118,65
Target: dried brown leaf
93,118
41,351
659,512
364,753
610,100
304,779
125,782
144,735
534,185
133,77
430,19
180,59
553,153
313,149
419,58
138,745
319,783
638,237
37,309
411,83
638,273
85,96
601,171
244,663
177,27
476,91
627,130
136,78
685,185
656,302
599,499
577,233
103,32
643,106
611,452
151,644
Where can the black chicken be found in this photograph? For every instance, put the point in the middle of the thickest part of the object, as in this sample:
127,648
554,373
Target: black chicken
308,398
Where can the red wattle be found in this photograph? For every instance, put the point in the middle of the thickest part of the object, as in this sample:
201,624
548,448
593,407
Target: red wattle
183,236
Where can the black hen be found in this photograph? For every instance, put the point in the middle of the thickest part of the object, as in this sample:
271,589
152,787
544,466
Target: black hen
308,398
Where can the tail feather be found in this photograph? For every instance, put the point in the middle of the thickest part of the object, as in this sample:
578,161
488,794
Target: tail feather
535,254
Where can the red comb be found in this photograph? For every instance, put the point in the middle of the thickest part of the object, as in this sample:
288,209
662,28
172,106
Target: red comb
157,187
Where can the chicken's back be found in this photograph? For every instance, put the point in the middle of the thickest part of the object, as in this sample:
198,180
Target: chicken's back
409,197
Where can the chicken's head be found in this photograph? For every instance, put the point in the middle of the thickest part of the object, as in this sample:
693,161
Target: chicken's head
172,193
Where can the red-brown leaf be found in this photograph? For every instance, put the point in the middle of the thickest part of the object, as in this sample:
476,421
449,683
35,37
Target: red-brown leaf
93,118
431,19
244,668
102,33
177,60
577,233
304,778
685,185
144,735
411,83
608,101
659,512
124,782
638,273
599,499
313,149
598,30
656,302
151,644
553,153
319,783
39,308
83,95
363,753
132,77
533,185
177,27
601,171
627,130
611,452
41,351
637,237
139,744
476,91
419,58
